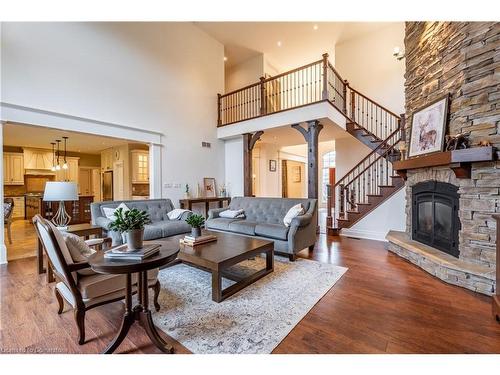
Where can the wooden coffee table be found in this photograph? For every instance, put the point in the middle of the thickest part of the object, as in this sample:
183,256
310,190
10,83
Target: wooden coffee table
218,256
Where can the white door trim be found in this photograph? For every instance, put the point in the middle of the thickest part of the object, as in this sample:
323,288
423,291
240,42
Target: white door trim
38,117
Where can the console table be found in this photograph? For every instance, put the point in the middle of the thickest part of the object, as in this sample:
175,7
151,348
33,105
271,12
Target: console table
187,203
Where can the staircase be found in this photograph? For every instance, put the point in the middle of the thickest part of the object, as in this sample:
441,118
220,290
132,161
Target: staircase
372,181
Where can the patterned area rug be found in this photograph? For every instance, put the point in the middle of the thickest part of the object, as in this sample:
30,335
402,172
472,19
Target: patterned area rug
254,320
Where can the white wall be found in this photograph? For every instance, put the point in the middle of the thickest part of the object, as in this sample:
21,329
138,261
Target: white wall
367,63
245,73
234,166
156,76
390,215
350,152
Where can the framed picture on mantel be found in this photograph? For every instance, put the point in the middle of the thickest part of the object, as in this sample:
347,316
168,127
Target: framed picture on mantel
428,128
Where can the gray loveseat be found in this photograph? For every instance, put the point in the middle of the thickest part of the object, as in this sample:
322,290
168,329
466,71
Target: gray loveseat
161,226
264,219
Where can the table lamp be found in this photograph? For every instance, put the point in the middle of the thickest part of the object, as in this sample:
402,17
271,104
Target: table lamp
60,191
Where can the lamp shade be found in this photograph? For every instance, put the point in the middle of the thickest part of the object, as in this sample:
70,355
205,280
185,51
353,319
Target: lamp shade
60,191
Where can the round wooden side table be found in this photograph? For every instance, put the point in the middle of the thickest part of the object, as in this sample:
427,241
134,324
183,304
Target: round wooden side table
139,312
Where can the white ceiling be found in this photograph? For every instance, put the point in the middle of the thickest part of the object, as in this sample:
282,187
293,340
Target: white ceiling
301,43
287,136
21,135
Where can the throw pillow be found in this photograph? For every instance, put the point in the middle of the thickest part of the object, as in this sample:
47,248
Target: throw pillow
176,213
232,214
110,212
295,211
78,250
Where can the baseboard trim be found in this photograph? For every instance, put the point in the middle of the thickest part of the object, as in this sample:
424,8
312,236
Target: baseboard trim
3,254
364,234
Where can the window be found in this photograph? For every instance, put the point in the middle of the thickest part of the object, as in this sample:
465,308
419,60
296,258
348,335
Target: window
328,162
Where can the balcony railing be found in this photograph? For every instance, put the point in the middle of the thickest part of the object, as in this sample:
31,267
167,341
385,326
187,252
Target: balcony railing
311,83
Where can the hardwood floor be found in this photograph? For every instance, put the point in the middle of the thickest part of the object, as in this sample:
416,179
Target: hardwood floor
383,304
23,240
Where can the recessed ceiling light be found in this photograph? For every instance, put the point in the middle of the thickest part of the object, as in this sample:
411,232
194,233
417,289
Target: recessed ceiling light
225,58
279,43
315,27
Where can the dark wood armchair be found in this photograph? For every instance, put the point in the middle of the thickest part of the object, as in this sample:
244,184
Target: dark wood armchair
77,284
7,216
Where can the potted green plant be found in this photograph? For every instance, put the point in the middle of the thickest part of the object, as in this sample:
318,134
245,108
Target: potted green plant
131,223
196,222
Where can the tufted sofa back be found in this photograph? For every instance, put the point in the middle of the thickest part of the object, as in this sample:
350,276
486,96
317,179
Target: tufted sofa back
269,210
156,208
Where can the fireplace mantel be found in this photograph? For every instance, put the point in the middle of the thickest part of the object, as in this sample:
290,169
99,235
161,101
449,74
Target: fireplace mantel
458,160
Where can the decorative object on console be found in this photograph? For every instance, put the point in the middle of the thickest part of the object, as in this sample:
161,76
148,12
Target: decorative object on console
186,192
61,192
428,128
196,222
209,187
222,191
272,165
131,222
457,142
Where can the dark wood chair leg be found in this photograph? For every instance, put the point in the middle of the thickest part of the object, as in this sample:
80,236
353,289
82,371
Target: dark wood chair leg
156,288
80,324
9,233
292,257
60,301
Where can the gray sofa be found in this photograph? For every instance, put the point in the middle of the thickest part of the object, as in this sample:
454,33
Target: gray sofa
161,226
264,219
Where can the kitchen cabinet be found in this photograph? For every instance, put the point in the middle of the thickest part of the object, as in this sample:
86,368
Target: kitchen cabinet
70,174
37,158
107,160
140,166
79,210
18,211
13,168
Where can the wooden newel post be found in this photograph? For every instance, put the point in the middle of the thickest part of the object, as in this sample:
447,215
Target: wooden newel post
344,93
353,107
325,76
263,99
219,106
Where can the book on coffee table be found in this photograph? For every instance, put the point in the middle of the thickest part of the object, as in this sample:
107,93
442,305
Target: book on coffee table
193,241
122,252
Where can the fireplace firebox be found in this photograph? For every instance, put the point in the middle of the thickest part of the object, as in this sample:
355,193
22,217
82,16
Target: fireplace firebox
435,219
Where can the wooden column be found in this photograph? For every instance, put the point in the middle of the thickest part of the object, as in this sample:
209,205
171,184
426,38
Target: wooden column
311,136
249,141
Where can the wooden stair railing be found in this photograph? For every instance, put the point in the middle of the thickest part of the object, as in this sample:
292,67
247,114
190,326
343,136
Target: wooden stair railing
366,185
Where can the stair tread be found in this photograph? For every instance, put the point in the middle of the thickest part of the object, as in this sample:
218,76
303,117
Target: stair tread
373,195
390,186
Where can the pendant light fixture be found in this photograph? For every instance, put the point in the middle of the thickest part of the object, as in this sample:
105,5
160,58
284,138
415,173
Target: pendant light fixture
53,157
65,165
58,167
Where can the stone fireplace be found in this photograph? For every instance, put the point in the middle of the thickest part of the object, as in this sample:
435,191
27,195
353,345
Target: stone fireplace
450,232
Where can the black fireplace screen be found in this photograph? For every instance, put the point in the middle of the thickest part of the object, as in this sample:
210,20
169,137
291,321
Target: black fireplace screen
435,219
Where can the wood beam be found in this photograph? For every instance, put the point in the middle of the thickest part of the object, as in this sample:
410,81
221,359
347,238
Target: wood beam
311,136
249,141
